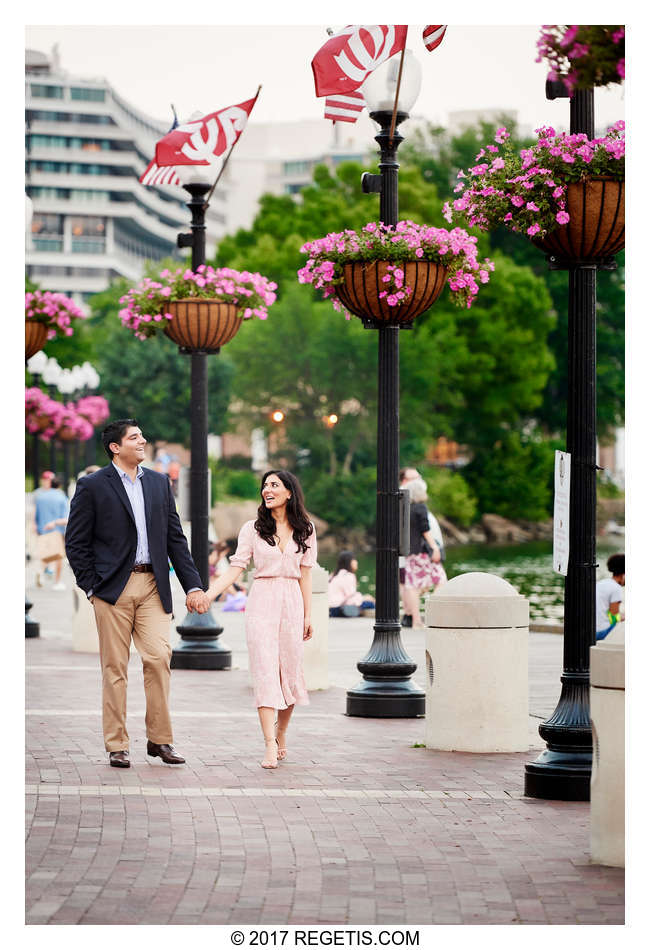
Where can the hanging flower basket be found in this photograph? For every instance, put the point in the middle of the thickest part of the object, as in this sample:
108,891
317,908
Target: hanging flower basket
363,283
202,325
596,227
35,337
199,311
66,434
583,56
566,193
54,312
389,276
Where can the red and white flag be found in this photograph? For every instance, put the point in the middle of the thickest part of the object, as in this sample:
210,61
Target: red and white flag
344,108
155,175
348,57
433,36
203,140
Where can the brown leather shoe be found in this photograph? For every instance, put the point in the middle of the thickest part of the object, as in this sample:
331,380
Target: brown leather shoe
166,753
119,760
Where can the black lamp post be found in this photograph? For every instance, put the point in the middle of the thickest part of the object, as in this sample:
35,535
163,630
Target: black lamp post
199,649
563,770
386,690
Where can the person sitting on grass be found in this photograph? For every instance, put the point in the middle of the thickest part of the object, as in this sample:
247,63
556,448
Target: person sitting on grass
342,588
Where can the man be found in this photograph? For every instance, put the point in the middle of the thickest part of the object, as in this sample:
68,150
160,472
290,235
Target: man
50,514
122,528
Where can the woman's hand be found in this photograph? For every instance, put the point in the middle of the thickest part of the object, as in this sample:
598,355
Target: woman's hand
308,629
50,526
435,554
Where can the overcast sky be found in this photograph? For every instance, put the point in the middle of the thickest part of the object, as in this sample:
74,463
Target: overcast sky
206,67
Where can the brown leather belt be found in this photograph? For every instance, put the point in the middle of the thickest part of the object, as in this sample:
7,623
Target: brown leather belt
142,569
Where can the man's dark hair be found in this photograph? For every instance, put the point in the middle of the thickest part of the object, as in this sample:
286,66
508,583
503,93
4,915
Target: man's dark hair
115,432
616,564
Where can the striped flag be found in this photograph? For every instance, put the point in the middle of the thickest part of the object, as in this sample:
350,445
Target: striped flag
344,108
433,36
155,175
348,57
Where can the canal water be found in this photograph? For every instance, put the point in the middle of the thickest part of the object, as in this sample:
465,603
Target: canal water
528,567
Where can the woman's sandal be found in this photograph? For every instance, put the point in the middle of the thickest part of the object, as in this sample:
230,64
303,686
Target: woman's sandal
282,752
270,761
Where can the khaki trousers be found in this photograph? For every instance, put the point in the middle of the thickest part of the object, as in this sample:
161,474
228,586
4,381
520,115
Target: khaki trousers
138,613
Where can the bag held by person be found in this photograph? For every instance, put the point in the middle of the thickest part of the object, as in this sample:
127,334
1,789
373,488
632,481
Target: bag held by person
50,546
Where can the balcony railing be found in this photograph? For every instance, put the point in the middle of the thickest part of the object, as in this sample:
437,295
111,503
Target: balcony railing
47,244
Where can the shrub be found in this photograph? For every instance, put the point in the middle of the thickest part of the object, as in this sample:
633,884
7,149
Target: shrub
344,501
514,478
242,484
450,495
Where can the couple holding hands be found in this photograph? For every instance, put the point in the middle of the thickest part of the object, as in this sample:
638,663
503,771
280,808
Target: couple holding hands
123,529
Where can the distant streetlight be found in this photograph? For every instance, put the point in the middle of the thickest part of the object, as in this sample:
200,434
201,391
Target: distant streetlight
277,416
331,420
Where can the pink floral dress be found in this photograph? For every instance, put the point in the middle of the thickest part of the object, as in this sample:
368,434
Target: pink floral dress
274,617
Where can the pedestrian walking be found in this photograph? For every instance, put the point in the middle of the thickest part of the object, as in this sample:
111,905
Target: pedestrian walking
282,543
609,594
122,529
50,515
423,568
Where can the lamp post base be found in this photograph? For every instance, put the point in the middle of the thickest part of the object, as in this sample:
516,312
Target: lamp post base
560,776
199,649
32,628
383,699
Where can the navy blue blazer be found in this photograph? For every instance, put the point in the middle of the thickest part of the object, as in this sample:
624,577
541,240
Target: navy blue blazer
101,537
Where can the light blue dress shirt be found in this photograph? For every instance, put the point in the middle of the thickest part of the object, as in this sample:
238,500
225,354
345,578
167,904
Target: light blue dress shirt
136,498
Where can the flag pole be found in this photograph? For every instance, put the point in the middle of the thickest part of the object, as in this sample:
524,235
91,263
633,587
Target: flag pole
399,81
221,170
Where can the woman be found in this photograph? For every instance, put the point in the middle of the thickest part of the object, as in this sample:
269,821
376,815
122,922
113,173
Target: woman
342,588
282,543
423,568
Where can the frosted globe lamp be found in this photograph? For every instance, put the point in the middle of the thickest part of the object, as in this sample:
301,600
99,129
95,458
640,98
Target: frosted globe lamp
380,86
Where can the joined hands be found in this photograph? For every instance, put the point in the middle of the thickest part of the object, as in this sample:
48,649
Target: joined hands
197,602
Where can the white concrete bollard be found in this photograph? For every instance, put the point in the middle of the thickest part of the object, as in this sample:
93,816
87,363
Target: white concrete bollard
477,666
607,705
84,628
315,659
83,625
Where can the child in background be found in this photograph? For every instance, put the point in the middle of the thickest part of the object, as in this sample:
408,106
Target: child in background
609,594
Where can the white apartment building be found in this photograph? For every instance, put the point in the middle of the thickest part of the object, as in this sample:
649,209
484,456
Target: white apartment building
92,220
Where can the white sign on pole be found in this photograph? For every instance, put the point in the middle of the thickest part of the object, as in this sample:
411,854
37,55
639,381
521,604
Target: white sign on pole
561,513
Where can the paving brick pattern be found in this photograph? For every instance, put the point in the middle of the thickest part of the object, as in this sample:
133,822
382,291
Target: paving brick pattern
359,826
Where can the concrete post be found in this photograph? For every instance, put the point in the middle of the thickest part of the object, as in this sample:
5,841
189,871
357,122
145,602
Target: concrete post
316,661
477,666
83,626
84,629
607,709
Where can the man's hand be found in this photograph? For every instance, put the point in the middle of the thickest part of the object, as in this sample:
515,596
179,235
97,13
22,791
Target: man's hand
197,601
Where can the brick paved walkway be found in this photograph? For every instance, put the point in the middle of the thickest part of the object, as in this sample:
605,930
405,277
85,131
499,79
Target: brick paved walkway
359,826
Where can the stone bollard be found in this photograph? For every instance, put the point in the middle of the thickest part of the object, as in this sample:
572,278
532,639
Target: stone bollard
83,626
84,629
316,661
607,705
477,666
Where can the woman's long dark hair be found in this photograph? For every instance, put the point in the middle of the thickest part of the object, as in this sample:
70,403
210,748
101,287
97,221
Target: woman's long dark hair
344,562
296,515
